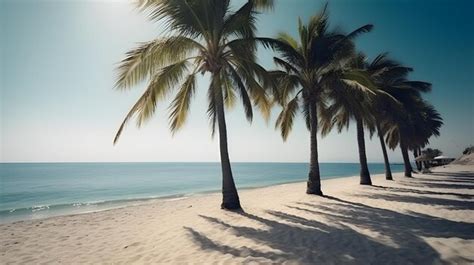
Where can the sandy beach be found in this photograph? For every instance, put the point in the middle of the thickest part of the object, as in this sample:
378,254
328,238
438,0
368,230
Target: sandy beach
425,220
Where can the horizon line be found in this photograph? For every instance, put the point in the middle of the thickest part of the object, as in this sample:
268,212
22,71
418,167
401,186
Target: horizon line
117,162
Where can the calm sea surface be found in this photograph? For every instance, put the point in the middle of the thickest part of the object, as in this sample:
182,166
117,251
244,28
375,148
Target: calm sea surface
38,190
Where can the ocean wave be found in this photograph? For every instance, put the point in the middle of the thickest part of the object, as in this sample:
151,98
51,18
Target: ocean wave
96,205
39,208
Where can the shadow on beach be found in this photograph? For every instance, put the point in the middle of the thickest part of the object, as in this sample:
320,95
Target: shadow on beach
441,180
343,237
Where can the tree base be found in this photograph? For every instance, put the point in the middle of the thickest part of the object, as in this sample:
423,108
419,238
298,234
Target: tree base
231,206
365,181
313,189
314,192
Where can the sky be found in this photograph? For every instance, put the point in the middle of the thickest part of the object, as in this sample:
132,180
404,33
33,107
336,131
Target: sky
57,71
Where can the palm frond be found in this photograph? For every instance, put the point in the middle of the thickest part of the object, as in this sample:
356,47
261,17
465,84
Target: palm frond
318,24
285,37
161,83
418,85
188,17
146,59
360,80
241,23
263,5
180,105
286,51
286,117
132,112
359,31
239,85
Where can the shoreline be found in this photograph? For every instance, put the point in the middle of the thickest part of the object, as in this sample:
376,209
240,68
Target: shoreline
179,197
423,220
75,207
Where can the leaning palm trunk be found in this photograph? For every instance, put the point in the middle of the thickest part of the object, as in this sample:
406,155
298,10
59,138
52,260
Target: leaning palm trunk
406,159
419,166
314,178
388,171
364,169
416,153
230,198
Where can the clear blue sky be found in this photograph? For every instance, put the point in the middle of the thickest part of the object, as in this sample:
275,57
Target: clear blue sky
57,73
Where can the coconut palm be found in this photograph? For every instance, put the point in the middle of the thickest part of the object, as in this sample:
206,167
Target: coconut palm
413,124
386,74
398,105
305,65
205,36
432,153
350,102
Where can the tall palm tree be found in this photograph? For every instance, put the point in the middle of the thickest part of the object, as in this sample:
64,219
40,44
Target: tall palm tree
413,124
385,74
349,104
206,36
305,65
400,113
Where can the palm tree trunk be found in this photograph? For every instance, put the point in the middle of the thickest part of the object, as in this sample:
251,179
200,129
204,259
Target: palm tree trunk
230,198
314,177
415,155
364,169
406,158
419,166
388,171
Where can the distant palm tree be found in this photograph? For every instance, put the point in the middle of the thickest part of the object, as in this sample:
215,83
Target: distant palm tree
431,153
386,75
349,101
413,124
307,64
206,37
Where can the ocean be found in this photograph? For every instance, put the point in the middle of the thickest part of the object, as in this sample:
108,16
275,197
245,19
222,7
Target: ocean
39,190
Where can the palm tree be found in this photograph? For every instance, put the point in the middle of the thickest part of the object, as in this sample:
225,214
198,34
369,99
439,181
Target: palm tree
400,113
206,36
385,74
430,153
352,102
413,124
306,65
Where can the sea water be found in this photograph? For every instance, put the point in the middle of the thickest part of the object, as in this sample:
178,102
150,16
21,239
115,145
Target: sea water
38,190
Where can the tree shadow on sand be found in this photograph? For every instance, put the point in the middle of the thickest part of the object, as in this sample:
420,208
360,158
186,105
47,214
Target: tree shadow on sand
465,175
423,192
296,236
427,184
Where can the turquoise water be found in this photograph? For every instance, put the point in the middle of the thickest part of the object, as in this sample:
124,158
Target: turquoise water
38,190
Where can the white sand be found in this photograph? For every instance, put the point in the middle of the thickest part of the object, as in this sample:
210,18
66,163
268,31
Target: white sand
425,220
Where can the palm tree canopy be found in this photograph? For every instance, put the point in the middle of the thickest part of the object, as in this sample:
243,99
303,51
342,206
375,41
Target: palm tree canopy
408,114
203,36
398,106
350,100
431,153
308,63
416,122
